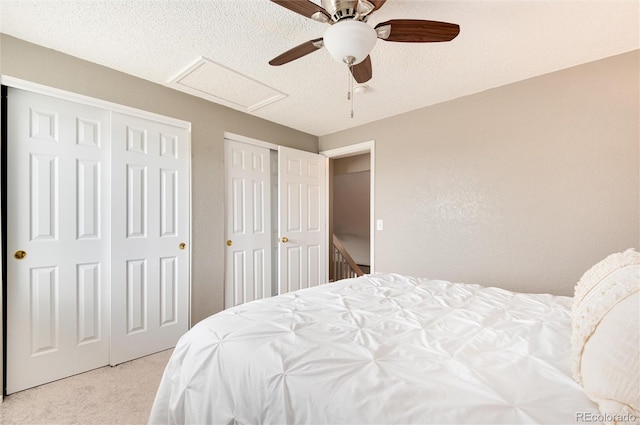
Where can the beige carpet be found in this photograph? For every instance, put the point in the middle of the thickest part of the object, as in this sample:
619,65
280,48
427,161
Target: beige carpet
109,395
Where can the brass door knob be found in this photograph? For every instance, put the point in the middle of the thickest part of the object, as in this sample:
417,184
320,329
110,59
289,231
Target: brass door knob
182,245
229,242
19,255
284,239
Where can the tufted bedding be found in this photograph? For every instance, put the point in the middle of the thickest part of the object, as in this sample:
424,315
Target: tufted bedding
379,349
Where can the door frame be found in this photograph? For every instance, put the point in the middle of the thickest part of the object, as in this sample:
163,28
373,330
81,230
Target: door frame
3,243
249,141
17,83
353,150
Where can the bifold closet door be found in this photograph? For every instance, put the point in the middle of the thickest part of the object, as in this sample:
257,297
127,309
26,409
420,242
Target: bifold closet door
150,236
57,239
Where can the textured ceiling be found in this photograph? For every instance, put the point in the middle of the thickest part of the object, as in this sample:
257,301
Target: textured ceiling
500,42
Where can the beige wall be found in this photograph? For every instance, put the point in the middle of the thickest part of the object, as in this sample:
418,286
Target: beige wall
352,164
351,206
209,121
524,186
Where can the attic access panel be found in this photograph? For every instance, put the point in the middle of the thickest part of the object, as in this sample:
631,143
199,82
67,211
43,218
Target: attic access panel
212,81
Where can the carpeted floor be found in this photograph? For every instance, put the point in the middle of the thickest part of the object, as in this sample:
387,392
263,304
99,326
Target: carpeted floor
109,395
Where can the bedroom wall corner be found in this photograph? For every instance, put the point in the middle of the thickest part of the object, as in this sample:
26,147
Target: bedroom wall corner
524,186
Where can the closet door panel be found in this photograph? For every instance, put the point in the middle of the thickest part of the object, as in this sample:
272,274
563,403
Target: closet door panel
248,225
151,240
58,258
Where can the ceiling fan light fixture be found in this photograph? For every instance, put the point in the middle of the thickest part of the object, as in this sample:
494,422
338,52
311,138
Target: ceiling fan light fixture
353,39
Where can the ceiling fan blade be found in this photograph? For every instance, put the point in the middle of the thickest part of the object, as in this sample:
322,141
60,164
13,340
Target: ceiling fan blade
305,8
367,7
417,31
377,4
297,52
363,71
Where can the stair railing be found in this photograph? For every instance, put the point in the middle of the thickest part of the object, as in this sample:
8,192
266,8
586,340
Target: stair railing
344,266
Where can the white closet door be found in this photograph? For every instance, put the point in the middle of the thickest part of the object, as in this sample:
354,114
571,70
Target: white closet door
58,228
150,238
302,210
248,223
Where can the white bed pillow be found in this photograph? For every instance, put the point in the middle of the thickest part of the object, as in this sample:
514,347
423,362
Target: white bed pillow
606,336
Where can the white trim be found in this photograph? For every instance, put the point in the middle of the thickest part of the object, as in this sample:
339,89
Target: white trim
351,150
2,374
372,211
190,241
250,141
90,101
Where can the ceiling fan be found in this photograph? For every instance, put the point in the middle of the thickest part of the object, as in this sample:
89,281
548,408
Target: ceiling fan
350,39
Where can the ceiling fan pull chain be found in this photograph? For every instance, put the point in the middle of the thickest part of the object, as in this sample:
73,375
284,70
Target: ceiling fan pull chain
349,83
352,96
349,60
350,93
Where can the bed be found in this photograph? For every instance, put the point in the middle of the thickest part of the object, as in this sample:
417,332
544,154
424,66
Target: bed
388,348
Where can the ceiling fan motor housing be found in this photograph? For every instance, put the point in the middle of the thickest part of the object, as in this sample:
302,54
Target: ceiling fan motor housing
341,9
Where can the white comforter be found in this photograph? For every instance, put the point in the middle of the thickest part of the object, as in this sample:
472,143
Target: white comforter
378,349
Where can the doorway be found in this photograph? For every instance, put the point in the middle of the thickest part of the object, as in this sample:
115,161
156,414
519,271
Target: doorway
351,184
